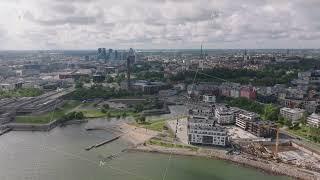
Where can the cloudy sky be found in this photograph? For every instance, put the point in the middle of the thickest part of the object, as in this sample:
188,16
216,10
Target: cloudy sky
88,24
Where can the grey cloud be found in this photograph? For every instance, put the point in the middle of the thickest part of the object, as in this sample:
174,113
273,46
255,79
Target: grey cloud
184,22
64,9
76,20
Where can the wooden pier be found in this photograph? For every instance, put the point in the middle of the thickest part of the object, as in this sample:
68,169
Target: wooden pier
103,143
2,132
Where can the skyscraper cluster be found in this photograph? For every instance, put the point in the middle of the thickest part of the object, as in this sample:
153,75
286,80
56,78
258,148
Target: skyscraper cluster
111,55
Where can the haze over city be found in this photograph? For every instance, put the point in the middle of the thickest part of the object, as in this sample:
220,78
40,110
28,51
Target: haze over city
148,24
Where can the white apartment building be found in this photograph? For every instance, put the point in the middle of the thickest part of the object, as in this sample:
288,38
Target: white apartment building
292,115
203,112
243,117
203,131
224,115
209,98
314,120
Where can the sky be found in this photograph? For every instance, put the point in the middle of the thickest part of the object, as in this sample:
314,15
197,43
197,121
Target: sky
156,24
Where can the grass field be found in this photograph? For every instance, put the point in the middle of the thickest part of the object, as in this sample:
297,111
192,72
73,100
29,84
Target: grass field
93,113
110,113
304,134
50,116
157,125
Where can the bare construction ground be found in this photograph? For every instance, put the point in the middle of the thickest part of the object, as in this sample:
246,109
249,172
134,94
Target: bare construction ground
182,134
237,133
136,135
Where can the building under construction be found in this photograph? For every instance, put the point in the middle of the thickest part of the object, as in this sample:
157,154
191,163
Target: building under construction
251,122
265,129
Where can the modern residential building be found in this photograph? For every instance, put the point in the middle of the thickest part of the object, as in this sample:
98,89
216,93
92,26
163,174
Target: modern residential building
243,118
207,112
225,115
308,78
203,131
292,115
314,120
209,98
262,128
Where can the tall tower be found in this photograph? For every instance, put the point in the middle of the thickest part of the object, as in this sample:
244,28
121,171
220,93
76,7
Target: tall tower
99,53
130,60
245,56
201,55
102,54
110,55
201,61
115,55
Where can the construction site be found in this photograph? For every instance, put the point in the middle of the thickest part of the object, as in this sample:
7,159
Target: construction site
247,146
289,152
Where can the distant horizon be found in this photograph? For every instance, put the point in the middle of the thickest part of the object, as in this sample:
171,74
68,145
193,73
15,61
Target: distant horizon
161,49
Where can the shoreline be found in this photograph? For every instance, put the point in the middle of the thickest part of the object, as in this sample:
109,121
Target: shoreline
243,160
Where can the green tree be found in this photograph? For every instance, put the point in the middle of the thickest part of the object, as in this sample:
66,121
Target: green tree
108,114
138,108
270,112
106,106
141,119
84,79
79,85
78,115
109,79
103,110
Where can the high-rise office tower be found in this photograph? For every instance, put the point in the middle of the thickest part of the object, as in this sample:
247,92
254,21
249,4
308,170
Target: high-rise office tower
102,54
132,56
115,55
130,61
110,53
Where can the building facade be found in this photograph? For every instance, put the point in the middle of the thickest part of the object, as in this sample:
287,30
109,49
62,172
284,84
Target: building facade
292,115
314,120
243,118
203,131
225,115
248,92
209,98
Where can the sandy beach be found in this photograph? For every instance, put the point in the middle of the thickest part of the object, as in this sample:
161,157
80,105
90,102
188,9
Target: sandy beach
136,135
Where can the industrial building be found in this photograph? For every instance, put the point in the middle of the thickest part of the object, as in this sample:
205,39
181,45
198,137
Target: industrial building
146,87
6,117
202,130
32,105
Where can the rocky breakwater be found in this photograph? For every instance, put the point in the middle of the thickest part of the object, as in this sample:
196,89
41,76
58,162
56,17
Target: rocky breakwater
243,159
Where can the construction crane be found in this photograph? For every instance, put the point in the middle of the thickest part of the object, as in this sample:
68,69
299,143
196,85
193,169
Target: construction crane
277,138
277,142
